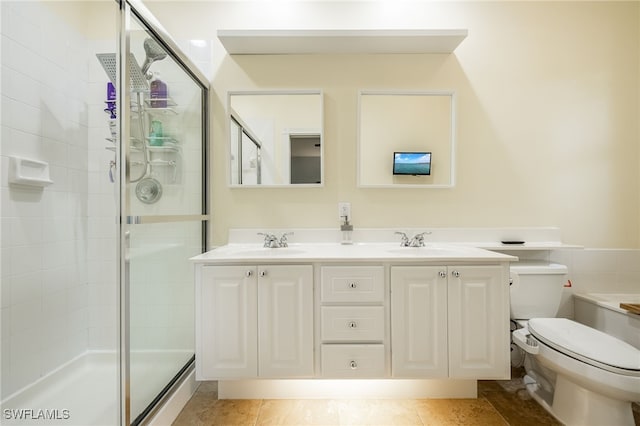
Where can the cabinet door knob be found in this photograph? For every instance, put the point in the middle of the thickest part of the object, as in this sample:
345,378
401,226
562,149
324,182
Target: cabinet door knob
353,365
443,274
455,274
353,285
263,273
249,273
353,324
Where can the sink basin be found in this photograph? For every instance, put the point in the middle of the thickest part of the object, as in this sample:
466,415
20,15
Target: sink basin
426,251
283,251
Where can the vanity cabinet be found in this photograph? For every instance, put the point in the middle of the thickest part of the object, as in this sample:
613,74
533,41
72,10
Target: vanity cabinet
254,322
450,321
352,321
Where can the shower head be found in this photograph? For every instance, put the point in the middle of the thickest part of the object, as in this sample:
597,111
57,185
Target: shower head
154,52
138,82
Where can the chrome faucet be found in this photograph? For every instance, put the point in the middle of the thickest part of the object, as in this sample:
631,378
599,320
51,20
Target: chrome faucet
416,241
271,241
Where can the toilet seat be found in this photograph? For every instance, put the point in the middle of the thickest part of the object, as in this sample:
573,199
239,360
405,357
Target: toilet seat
586,344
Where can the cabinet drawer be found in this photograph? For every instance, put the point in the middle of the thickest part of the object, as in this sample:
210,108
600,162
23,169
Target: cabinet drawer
352,284
352,323
353,361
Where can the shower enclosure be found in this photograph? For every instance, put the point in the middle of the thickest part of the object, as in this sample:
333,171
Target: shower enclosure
104,147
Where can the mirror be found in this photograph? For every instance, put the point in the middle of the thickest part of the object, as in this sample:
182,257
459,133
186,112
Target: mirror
275,138
408,122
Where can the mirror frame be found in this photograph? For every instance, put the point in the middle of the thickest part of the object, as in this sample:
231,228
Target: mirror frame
291,131
452,138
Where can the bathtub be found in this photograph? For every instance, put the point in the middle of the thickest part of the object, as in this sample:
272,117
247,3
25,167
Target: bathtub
602,311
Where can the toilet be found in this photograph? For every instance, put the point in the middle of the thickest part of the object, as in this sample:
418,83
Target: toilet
581,375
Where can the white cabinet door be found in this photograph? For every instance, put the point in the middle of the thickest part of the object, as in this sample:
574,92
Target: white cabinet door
226,325
479,322
419,321
285,327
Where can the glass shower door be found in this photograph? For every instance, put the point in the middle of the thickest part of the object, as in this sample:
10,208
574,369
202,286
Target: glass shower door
163,212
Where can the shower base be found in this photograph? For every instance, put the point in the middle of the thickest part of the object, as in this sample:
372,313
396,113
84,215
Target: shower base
85,391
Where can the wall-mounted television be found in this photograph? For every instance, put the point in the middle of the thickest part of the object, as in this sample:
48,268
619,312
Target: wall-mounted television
412,163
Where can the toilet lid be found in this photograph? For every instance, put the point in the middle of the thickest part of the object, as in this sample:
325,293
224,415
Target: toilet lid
587,344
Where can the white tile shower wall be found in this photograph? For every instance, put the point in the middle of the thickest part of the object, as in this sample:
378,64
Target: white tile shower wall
162,305
44,232
102,226
598,271
199,52
162,290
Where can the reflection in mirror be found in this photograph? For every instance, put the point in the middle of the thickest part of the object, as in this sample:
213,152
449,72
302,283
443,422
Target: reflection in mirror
275,138
408,122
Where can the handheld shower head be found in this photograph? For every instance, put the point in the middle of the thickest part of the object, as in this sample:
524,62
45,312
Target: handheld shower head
154,52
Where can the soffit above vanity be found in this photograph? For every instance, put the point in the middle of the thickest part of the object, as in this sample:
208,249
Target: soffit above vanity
287,42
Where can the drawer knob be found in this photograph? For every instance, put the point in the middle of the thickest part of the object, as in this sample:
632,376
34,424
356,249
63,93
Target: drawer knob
249,273
443,274
455,274
353,324
353,365
263,273
353,285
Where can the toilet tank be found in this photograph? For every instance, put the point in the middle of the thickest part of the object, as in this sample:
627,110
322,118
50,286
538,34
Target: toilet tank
536,289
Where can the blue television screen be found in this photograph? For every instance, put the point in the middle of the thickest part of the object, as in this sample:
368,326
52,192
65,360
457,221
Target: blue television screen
412,163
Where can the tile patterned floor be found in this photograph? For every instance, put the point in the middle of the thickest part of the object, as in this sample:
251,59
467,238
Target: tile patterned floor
498,403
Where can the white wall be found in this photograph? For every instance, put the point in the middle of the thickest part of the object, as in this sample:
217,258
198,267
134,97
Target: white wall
598,271
547,114
45,314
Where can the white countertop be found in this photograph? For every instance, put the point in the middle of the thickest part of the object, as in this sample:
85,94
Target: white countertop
359,252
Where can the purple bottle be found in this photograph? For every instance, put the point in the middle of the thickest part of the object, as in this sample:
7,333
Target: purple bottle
159,94
111,101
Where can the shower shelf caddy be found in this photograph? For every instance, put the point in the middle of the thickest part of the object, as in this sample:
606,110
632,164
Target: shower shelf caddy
168,153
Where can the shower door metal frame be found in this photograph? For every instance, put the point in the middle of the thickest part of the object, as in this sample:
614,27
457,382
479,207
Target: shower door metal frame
244,130
129,8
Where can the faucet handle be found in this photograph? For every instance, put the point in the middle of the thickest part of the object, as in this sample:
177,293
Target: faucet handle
283,239
404,242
